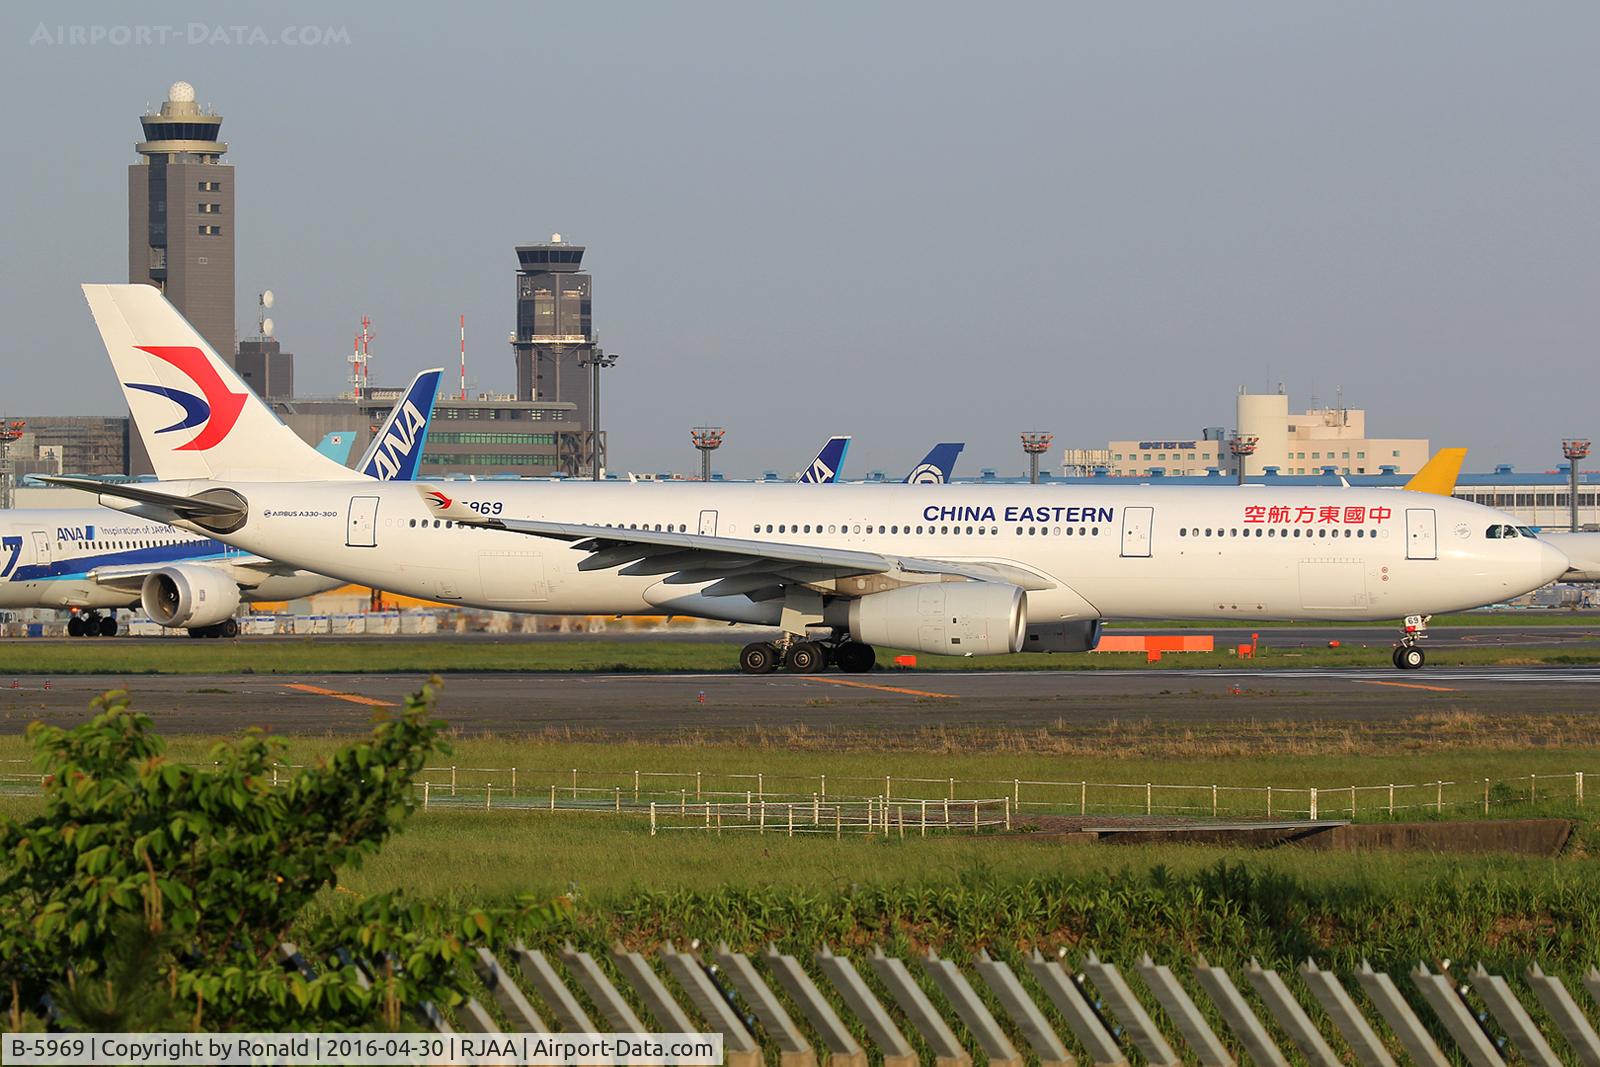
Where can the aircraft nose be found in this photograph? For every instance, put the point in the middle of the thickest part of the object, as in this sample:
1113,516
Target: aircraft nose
1553,562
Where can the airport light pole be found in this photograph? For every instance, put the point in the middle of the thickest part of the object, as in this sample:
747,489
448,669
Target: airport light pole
9,432
1035,443
1574,448
707,439
597,359
1242,445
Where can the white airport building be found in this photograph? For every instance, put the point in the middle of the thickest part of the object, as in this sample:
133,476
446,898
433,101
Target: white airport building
1292,443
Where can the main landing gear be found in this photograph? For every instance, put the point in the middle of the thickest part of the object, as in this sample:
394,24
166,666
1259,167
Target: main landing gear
807,657
1408,655
225,628
92,624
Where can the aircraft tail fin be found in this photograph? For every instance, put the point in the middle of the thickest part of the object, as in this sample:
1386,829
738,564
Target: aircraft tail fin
195,416
337,444
829,462
1439,474
937,466
396,449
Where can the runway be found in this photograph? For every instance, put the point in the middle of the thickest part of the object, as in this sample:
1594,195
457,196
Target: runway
660,706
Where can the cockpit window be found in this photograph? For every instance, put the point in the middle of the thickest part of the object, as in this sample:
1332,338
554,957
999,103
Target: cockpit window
1502,532
1527,531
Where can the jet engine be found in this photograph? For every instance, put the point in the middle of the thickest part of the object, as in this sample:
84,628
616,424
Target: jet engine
189,596
944,618
1079,636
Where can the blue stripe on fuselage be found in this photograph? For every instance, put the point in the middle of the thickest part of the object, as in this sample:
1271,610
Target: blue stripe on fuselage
79,566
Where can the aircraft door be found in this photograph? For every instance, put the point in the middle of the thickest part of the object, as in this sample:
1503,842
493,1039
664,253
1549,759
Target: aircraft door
1136,524
361,527
1421,541
708,524
42,548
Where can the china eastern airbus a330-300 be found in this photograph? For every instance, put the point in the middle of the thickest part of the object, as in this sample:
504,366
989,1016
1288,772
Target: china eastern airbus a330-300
952,569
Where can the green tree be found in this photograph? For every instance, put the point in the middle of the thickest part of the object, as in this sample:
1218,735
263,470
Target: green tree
191,877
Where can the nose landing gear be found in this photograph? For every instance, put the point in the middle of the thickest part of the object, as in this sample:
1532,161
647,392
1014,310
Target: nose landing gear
1408,655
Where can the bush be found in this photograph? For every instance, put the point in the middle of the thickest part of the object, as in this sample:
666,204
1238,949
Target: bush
150,891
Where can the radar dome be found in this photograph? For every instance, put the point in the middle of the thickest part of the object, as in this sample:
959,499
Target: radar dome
266,327
267,298
181,93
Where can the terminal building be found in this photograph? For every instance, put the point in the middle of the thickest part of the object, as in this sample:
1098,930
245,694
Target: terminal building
1300,443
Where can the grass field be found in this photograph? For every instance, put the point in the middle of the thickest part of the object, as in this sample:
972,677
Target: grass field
1519,618
1010,893
327,655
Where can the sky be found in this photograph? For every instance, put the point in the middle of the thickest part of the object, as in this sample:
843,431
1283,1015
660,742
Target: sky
906,221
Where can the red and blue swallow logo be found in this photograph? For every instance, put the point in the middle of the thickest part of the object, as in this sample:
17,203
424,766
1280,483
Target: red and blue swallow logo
439,500
216,407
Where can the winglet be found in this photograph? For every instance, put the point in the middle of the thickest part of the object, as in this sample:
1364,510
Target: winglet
1438,475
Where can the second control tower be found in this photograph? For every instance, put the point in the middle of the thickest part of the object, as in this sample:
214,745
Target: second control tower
555,338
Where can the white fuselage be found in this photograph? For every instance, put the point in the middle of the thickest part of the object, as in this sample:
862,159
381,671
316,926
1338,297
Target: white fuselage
1111,551
58,558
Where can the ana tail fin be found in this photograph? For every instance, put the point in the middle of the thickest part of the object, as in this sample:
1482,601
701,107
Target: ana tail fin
1438,475
195,416
829,462
396,449
937,466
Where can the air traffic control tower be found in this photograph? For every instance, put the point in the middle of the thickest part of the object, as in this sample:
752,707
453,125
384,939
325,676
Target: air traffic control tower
555,340
180,215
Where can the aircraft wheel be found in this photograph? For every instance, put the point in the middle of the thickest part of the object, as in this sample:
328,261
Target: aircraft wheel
806,657
196,631
229,628
759,657
853,657
108,626
1411,658
74,627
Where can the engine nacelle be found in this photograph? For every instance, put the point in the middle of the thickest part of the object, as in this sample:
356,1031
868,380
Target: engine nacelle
1080,636
189,596
944,618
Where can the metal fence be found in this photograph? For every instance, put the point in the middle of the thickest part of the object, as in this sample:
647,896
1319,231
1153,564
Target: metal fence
861,800
807,1009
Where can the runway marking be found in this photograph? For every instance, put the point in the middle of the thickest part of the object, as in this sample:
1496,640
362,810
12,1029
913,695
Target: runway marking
354,698
886,688
1406,685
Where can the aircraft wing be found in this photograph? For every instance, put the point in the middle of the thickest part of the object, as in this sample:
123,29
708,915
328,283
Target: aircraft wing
247,570
734,565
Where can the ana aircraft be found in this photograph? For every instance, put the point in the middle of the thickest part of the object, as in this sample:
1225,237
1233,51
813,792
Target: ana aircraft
95,560
952,569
